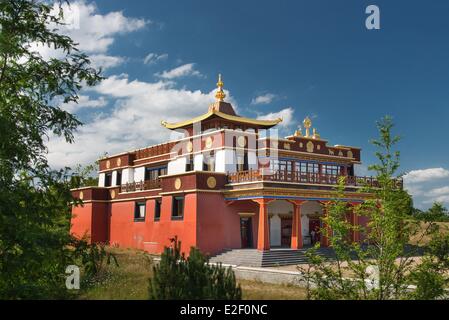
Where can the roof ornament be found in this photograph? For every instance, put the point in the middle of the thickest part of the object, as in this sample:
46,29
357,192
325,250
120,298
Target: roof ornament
316,135
307,125
298,132
220,95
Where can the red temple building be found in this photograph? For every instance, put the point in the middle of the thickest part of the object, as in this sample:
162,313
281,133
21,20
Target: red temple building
228,182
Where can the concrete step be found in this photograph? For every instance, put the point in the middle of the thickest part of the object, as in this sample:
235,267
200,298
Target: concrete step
276,257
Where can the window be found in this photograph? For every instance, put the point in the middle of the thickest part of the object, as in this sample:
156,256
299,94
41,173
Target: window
189,163
154,173
139,211
108,179
209,162
331,170
119,178
157,210
242,161
177,211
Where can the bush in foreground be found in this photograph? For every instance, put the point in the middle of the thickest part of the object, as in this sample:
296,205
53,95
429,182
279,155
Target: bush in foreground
177,277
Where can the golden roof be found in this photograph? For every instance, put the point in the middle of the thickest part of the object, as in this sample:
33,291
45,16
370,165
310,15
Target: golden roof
222,110
211,113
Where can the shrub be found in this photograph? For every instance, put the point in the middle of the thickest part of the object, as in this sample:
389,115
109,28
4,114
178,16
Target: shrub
177,277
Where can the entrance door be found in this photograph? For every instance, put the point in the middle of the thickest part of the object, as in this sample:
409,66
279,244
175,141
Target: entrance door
245,232
286,232
314,225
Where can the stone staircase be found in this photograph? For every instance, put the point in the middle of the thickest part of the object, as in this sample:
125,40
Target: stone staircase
271,258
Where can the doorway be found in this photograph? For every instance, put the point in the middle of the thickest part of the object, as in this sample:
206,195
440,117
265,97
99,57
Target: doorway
246,232
314,230
286,232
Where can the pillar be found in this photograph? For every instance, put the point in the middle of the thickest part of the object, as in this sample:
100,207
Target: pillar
296,239
263,237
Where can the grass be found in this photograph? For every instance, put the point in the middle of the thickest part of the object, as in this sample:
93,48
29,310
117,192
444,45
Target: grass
255,290
129,281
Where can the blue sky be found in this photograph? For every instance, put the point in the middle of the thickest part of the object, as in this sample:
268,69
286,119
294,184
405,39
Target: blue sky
289,58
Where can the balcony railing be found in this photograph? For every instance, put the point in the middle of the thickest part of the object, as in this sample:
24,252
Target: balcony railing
302,178
140,185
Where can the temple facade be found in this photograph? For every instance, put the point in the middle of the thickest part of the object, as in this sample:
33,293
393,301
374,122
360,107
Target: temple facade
227,182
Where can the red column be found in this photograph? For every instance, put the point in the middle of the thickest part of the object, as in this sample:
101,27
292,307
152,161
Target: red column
263,238
296,239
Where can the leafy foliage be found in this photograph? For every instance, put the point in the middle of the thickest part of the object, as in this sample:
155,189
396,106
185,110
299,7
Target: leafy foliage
382,265
178,277
435,213
35,201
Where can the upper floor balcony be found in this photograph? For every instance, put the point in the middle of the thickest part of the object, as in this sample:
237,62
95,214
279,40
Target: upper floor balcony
263,175
141,185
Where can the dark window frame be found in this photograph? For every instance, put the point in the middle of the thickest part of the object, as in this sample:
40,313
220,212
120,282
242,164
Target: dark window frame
137,217
118,178
175,207
157,210
153,174
108,179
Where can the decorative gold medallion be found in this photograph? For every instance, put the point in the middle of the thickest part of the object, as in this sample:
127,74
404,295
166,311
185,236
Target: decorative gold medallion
81,195
287,146
310,146
178,183
318,147
241,141
350,154
211,182
340,154
301,145
189,146
112,194
209,142
119,162
108,164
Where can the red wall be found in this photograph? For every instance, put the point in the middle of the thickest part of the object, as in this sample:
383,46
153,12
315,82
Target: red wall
159,232
219,224
209,223
91,220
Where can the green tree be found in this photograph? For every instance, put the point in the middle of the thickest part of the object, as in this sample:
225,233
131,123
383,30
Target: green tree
381,266
86,176
35,201
178,277
436,213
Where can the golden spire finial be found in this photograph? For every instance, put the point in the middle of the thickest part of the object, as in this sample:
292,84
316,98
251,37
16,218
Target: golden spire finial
307,125
220,95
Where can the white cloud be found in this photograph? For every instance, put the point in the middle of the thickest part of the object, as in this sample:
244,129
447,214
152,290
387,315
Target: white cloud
84,102
94,33
181,71
424,175
134,122
428,186
105,61
153,58
263,99
285,114
439,191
